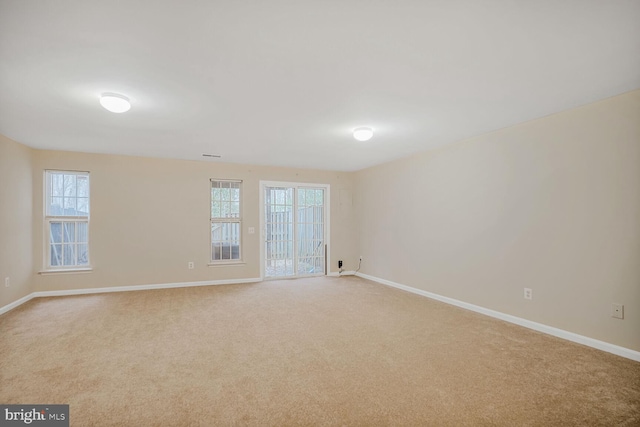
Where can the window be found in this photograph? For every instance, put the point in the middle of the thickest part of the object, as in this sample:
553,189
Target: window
67,219
226,221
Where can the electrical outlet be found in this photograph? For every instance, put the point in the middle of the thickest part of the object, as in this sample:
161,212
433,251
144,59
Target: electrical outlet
252,230
340,264
617,311
528,293
190,265
7,282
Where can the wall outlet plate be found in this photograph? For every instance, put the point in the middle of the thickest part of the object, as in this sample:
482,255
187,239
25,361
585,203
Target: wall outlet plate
190,265
617,311
528,293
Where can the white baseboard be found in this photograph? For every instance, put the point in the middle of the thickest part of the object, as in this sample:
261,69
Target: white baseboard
560,333
144,287
16,303
22,300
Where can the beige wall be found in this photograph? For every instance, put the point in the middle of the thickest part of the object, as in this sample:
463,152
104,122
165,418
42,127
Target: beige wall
16,237
149,217
552,205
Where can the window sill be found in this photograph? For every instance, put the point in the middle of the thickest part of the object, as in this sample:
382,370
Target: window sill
227,264
66,271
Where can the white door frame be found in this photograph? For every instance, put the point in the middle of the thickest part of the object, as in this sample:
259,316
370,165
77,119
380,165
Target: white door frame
327,219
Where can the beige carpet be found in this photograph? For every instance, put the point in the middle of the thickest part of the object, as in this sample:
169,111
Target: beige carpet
321,351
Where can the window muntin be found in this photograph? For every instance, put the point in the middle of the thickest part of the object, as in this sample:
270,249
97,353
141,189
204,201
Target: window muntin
226,221
67,219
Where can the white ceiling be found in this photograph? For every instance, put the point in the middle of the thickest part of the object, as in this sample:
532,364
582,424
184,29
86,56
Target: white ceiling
283,82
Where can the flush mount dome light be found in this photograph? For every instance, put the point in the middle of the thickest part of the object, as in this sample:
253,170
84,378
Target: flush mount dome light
115,103
363,134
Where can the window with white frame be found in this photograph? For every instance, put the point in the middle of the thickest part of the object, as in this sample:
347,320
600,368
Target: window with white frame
67,219
226,221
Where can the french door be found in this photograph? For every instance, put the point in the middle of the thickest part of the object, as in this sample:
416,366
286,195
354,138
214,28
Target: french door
294,229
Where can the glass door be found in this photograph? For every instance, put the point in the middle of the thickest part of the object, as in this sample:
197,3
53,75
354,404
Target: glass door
294,231
310,231
279,232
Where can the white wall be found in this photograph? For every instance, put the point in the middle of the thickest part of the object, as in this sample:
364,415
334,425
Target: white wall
552,205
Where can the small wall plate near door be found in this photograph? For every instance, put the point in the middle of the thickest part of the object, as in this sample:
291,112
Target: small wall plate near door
528,293
617,311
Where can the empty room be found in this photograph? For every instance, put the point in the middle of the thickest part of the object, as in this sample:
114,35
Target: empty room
320,213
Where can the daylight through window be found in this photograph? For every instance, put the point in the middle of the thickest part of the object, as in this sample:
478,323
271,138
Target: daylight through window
226,221
67,219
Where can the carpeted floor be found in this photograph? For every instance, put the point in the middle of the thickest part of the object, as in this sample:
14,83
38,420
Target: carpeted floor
321,351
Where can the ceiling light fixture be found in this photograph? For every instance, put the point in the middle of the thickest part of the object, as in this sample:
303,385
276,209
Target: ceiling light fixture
363,134
115,103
